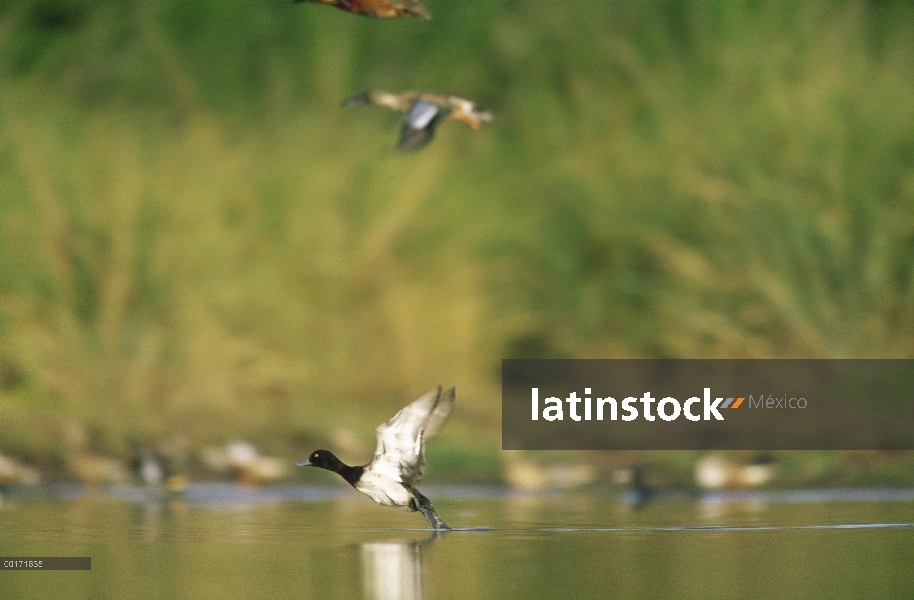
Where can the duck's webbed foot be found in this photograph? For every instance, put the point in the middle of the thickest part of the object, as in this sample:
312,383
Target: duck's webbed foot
423,505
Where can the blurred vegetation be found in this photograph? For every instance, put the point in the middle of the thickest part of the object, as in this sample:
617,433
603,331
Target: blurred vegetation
196,238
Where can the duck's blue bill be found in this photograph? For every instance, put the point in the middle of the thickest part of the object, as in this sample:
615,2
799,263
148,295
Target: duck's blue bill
304,463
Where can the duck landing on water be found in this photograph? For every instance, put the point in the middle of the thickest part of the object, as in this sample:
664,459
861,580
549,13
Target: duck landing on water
424,111
390,477
379,9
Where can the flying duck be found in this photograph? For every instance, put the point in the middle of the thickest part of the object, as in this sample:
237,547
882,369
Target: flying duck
424,111
390,477
379,9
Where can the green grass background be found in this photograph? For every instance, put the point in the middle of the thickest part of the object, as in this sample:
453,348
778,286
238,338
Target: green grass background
195,237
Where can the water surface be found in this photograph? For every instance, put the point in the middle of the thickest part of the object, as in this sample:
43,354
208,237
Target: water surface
220,542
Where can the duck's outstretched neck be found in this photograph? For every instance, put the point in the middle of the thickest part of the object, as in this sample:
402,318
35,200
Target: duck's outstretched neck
350,474
324,459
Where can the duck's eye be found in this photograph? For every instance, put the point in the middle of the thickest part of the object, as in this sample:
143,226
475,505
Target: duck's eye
314,456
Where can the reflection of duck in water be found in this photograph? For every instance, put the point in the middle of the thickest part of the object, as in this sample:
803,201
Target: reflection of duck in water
379,9
392,569
424,111
389,478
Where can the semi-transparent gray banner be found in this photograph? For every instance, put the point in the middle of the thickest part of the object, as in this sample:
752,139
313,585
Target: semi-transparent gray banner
630,404
45,563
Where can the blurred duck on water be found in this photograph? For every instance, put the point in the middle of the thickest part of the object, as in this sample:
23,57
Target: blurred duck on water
244,463
87,463
15,474
157,468
424,112
390,477
539,472
379,9
716,472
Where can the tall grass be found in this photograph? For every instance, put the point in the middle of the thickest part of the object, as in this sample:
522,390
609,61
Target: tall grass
197,238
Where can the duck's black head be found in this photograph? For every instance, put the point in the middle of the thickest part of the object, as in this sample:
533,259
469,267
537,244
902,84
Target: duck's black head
325,459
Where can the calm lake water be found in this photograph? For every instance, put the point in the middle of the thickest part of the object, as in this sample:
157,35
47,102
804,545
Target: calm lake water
220,542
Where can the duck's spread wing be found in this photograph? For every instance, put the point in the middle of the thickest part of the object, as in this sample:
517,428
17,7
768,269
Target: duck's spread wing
421,122
399,454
